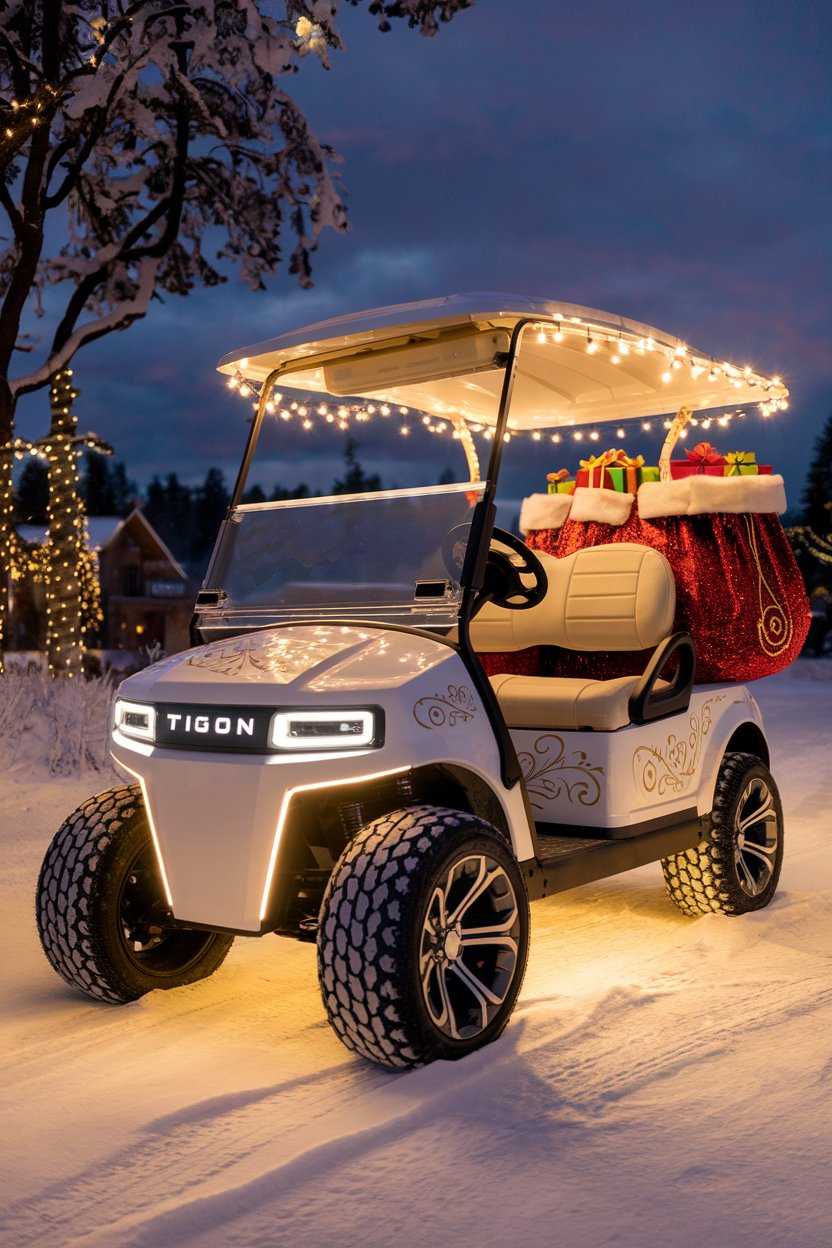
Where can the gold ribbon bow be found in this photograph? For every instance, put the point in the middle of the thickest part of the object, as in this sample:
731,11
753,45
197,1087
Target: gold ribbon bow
561,475
597,461
620,459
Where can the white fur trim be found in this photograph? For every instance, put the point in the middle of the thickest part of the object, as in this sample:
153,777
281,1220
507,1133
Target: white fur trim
605,506
701,495
544,511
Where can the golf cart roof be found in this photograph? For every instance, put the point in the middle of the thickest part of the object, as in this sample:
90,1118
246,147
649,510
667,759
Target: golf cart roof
446,356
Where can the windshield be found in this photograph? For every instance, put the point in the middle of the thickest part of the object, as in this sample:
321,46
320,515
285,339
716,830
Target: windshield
392,555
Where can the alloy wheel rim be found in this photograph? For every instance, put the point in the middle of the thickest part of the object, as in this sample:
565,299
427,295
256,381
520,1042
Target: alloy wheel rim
469,947
756,837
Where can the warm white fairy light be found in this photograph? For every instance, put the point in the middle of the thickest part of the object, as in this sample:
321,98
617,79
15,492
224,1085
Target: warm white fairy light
594,338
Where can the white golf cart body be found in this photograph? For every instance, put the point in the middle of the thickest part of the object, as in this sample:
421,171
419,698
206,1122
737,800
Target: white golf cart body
581,804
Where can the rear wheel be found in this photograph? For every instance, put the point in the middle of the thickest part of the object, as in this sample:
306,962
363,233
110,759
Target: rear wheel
102,916
738,868
424,937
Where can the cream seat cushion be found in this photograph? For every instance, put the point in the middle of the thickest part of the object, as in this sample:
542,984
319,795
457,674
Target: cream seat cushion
566,702
620,596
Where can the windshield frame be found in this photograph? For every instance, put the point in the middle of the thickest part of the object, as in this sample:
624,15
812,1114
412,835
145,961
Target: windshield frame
483,514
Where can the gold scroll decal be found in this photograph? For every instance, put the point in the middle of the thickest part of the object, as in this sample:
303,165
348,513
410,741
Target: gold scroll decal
774,623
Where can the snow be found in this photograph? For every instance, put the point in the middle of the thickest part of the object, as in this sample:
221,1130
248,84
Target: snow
664,1081
100,529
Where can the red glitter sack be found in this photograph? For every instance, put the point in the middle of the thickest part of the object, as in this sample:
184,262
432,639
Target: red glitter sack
739,592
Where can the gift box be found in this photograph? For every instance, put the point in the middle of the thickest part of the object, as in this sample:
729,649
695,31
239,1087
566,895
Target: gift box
560,482
744,464
594,472
650,472
624,470
702,458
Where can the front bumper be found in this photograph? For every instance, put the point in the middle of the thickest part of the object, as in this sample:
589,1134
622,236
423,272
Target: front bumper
217,820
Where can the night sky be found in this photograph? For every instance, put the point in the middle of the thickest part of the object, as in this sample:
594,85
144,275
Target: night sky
666,162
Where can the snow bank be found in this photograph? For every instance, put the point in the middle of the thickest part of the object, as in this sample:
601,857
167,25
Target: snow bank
53,727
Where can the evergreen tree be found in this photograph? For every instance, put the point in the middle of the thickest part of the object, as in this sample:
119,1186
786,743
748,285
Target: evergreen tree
32,494
169,506
209,507
125,491
355,480
97,487
254,495
298,491
817,496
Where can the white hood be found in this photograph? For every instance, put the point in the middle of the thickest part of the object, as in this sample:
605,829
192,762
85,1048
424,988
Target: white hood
289,661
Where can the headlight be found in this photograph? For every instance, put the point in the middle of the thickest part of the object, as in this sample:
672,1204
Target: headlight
135,719
324,730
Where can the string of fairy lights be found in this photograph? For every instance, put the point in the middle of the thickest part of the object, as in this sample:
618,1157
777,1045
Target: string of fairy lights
309,412
63,563
804,537
19,118
70,568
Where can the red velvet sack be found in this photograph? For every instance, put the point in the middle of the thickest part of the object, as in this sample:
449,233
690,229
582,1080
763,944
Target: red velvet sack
739,591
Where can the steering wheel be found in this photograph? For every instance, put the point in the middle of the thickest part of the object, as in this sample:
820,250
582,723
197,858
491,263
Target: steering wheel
504,572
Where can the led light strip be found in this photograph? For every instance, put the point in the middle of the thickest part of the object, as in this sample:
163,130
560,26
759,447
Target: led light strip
284,810
157,847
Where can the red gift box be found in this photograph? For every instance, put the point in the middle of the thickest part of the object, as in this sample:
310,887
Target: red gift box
701,459
593,472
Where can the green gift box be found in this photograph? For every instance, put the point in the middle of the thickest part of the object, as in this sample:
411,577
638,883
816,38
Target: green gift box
741,464
648,473
560,487
623,479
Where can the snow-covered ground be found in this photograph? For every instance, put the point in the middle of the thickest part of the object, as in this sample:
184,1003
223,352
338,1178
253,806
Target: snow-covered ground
664,1081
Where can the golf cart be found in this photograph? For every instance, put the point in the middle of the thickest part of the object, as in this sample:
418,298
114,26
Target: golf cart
331,761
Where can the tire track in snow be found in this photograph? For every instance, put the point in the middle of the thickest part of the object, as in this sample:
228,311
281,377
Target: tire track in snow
212,1139
583,1065
229,1161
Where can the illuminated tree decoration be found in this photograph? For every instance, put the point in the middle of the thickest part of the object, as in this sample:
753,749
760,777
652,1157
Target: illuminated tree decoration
158,145
70,569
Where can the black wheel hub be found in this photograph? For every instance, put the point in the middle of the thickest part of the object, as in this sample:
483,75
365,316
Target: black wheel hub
148,938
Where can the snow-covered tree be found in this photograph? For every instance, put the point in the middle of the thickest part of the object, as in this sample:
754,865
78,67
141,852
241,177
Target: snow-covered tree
158,141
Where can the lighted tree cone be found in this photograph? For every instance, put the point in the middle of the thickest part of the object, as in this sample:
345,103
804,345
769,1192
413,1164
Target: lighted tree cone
66,541
9,543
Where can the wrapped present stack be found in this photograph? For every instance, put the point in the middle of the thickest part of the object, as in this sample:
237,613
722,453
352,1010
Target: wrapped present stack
707,460
616,470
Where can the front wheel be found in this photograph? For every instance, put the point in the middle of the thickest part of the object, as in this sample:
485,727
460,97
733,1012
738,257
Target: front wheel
101,913
423,937
737,869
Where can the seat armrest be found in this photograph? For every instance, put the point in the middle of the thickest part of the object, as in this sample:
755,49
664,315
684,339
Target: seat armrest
648,703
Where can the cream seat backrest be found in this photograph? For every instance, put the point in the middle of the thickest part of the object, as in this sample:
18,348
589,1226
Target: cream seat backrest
621,596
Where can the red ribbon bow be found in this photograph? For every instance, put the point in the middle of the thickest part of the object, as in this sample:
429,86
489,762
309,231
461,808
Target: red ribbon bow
704,453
